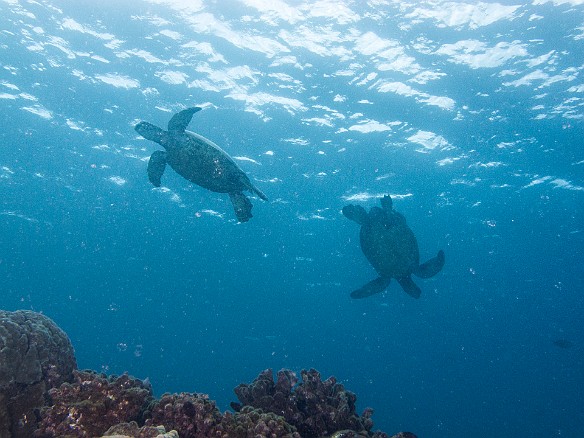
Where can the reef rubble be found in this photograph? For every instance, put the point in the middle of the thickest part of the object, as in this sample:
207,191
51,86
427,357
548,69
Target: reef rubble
37,365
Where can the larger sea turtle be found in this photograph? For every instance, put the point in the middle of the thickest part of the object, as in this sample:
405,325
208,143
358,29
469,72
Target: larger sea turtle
199,160
391,248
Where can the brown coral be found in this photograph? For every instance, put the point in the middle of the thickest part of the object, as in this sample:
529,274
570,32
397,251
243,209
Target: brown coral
35,356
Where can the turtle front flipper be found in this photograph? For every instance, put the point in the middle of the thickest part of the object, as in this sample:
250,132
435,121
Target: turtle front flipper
409,287
373,287
241,205
150,132
181,120
156,166
356,213
431,267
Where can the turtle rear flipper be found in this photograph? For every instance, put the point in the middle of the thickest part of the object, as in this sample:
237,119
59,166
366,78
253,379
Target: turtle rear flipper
409,286
241,205
150,132
431,267
356,213
181,120
373,287
156,166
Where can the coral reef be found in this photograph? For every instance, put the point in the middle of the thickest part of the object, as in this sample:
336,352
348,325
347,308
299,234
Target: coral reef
315,407
35,356
42,394
92,404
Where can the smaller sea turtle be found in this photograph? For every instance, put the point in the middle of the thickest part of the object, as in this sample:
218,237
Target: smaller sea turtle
199,160
391,248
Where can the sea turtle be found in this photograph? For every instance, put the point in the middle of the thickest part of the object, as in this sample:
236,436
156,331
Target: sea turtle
391,248
199,160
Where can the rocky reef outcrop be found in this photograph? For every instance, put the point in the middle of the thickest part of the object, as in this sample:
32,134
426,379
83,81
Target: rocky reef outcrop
35,356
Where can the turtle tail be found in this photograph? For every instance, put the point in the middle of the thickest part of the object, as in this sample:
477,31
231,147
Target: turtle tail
259,193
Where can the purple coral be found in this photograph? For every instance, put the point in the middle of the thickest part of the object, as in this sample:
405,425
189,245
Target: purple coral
35,356
254,423
191,415
92,404
314,407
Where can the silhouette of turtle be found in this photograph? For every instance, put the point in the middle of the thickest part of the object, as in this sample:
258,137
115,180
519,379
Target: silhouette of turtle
391,248
199,160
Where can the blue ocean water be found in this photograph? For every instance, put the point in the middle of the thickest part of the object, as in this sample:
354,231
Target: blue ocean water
469,114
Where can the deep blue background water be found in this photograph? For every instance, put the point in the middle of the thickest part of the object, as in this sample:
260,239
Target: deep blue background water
175,290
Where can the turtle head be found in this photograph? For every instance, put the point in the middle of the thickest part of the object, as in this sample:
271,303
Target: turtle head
387,203
152,133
